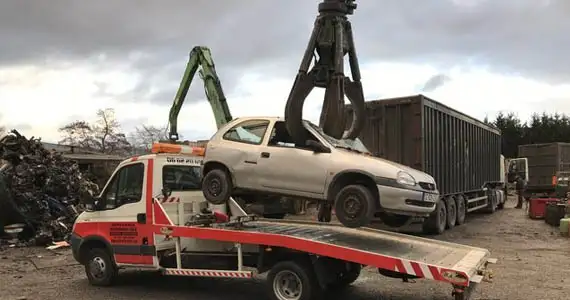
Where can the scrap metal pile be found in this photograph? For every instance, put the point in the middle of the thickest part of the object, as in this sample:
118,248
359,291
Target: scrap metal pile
39,189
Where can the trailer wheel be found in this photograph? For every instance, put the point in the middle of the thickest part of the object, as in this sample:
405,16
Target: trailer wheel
354,206
461,205
217,186
436,222
347,277
451,209
292,280
100,268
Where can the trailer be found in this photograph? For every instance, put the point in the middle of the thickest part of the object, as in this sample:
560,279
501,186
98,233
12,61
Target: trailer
544,164
163,223
463,154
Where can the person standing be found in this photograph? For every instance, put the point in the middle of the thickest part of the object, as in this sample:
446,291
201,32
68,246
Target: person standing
520,185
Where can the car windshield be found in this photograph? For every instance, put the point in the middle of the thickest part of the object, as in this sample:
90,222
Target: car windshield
354,145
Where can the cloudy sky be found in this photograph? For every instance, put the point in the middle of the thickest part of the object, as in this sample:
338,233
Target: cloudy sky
62,60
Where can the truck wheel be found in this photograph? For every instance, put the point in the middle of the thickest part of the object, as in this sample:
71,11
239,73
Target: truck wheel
324,212
451,210
461,205
100,268
217,186
292,280
436,222
354,206
347,277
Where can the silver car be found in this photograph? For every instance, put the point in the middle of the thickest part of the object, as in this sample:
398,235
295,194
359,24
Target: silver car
256,155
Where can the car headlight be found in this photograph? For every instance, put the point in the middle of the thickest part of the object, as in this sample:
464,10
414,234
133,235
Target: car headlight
405,178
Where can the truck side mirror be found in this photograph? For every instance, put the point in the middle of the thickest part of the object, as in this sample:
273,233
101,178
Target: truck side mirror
166,192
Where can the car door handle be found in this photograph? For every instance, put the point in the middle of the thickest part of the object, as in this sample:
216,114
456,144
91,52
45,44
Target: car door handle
265,154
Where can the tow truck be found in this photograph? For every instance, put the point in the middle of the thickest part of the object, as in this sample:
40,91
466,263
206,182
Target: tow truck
152,215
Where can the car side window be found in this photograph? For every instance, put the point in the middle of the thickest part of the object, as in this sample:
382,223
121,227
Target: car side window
280,137
125,187
249,132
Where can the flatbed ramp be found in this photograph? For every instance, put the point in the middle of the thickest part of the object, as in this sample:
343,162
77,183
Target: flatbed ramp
420,257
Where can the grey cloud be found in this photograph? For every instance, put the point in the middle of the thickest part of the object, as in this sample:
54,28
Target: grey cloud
525,37
435,82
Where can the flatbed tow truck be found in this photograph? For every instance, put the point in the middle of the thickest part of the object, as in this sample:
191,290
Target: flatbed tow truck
152,215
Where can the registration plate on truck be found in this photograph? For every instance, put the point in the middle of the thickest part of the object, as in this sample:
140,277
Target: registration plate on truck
431,197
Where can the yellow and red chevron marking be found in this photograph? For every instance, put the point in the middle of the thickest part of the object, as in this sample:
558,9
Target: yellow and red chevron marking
208,273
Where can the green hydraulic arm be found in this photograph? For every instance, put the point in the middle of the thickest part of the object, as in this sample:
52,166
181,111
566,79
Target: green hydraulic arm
200,58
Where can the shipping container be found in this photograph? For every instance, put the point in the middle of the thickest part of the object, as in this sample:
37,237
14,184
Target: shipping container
460,152
463,154
544,162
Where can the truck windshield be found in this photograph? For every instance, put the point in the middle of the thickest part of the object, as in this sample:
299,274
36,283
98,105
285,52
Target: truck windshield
181,178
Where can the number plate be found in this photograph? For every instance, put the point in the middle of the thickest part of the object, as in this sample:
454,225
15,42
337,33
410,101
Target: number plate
431,197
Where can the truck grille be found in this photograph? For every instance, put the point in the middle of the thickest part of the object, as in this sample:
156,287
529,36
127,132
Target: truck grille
427,186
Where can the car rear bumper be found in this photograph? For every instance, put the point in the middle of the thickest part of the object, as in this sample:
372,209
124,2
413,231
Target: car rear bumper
408,202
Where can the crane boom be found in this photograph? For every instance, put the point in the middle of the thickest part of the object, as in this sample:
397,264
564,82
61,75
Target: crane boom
200,58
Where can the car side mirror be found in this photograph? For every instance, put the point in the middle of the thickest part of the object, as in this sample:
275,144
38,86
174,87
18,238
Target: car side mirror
317,147
166,192
90,203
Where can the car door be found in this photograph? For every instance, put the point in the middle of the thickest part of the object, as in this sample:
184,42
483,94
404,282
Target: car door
242,144
286,167
122,210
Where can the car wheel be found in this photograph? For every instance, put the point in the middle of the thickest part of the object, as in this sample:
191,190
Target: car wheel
461,209
354,206
292,280
451,209
100,268
217,186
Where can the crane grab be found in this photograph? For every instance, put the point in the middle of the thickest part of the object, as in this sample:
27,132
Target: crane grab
330,41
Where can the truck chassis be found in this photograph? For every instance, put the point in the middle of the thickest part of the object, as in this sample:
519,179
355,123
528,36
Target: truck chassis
314,256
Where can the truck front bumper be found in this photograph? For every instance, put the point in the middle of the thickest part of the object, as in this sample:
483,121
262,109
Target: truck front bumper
407,201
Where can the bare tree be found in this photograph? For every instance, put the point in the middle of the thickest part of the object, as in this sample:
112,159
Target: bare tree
104,136
145,135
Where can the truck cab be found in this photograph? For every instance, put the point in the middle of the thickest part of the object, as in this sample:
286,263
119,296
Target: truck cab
119,217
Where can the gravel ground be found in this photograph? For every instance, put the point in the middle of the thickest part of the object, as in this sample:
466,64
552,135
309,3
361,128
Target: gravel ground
533,264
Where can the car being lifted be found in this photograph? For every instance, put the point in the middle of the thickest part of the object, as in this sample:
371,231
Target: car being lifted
256,155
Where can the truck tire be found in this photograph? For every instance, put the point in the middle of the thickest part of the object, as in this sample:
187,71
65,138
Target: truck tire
293,280
451,210
324,213
436,222
461,205
354,206
100,268
346,277
217,186
491,202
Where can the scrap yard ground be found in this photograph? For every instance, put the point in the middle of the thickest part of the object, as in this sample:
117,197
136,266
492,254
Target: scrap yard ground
533,264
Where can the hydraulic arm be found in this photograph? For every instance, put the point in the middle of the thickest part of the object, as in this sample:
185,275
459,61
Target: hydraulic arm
330,41
200,57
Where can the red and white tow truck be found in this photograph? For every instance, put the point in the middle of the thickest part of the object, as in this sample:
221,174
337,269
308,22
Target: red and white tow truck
151,214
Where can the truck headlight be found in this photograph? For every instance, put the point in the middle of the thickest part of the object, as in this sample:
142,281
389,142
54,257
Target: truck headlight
405,178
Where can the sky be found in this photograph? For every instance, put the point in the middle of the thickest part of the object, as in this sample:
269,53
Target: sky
62,60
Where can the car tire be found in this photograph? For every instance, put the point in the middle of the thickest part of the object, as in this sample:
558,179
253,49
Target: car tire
305,283
461,205
217,186
359,198
436,222
451,209
100,268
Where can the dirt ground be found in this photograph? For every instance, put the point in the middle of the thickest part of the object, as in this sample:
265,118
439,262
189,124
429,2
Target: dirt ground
533,263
